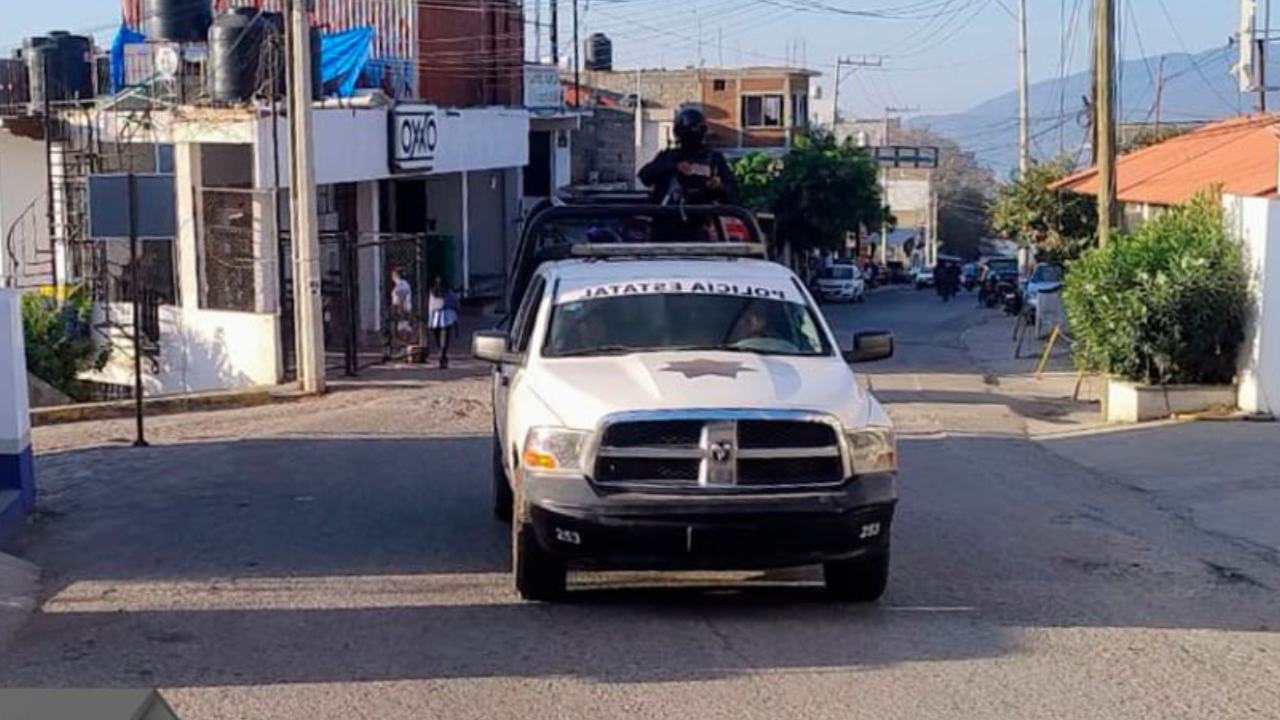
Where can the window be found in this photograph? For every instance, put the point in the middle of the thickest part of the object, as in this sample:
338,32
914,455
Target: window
522,327
718,85
662,322
799,110
762,111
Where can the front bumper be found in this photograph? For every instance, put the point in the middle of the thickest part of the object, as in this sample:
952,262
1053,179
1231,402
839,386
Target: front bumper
841,293
578,523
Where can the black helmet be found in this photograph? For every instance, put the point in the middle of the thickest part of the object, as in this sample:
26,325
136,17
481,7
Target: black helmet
690,127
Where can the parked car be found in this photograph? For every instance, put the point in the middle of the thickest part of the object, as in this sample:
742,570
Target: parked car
923,277
1045,278
841,282
969,275
896,273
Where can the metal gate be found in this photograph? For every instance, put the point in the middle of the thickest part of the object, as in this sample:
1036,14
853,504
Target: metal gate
361,326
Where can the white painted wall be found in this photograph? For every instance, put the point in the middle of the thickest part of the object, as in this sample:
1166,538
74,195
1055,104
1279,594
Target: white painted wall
23,182
909,195
15,415
200,350
561,159
1256,221
351,144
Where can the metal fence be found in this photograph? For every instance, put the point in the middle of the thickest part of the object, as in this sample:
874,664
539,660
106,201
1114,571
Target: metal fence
362,326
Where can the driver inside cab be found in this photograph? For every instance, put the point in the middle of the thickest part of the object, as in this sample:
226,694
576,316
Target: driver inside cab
691,172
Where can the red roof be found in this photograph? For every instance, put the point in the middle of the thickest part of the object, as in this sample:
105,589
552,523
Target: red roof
1241,155
590,96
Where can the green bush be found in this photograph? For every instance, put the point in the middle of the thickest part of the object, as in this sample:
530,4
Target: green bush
58,338
1164,305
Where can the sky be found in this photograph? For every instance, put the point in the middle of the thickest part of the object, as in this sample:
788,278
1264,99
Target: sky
938,55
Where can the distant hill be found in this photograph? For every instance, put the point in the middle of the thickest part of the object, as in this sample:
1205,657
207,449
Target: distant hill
1196,88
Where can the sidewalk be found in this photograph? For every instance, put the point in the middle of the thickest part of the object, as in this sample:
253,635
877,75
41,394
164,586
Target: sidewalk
1223,477
991,345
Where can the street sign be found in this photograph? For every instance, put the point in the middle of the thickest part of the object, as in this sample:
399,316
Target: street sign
906,156
415,132
109,206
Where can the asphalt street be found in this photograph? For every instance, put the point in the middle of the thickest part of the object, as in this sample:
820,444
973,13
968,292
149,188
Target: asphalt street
338,559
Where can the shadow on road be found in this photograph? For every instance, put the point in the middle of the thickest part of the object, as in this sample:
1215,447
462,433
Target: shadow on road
994,536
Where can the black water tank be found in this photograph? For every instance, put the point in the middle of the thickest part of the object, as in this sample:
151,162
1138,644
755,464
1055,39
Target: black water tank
235,54
177,20
59,67
599,52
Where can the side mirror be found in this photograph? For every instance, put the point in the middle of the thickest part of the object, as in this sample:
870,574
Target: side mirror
490,346
870,347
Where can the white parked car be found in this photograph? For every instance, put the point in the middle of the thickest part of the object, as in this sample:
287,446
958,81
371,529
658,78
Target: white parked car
1045,278
683,406
922,277
842,282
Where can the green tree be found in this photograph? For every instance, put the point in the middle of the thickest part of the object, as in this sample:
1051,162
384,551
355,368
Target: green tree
1028,210
818,193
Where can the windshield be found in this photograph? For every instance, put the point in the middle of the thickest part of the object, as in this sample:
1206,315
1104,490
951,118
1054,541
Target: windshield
672,321
838,272
1003,266
1046,274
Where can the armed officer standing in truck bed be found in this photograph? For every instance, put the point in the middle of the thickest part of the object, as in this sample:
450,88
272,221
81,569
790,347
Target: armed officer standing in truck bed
691,172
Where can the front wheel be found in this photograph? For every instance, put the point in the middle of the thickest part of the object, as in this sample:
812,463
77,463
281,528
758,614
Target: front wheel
861,579
538,575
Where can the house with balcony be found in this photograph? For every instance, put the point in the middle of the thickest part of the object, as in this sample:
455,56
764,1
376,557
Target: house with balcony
420,148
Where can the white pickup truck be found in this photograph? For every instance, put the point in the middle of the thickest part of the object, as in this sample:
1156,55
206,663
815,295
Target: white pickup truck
683,406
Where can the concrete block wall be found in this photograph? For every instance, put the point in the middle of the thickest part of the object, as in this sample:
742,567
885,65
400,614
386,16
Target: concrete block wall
605,147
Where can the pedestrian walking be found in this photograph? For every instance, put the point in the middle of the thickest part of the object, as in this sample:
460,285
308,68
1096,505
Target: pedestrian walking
400,317
442,317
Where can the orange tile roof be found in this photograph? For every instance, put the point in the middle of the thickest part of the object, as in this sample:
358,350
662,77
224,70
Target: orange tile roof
1242,155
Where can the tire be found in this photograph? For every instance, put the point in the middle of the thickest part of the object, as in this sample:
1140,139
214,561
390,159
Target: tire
502,497
537,574
861,580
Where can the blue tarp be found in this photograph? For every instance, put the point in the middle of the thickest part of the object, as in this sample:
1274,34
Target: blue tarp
124,36
343,56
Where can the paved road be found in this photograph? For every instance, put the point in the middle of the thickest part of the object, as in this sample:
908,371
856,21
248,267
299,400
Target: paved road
337,559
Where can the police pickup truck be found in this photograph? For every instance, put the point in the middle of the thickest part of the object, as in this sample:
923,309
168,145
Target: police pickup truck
667,398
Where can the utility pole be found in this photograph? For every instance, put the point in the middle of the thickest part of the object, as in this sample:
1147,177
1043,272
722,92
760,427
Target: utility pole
1262,59
308,311
1155,110
1024,119
1104,61
555,33
537,31
577,46
842,63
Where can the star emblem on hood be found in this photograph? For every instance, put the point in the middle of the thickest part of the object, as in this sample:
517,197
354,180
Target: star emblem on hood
694,369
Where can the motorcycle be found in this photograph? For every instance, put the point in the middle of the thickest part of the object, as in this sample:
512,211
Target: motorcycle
989,293
1012,298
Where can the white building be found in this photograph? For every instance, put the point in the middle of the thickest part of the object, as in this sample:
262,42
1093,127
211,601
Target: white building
383,172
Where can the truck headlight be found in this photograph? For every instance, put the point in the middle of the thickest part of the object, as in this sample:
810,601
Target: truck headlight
873,450
554,450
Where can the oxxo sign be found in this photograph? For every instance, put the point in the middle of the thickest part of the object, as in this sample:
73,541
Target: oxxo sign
415,133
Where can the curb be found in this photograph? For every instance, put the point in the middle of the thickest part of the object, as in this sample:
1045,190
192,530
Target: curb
165,405
19,587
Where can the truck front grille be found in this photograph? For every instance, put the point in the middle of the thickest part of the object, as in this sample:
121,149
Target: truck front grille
732,452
